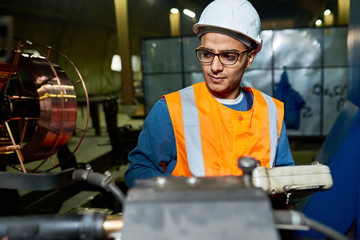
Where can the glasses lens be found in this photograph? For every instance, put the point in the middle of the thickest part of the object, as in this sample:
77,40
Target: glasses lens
229,58
205,56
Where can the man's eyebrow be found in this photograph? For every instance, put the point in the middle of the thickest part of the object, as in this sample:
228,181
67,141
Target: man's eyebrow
230,50
204,48
212,50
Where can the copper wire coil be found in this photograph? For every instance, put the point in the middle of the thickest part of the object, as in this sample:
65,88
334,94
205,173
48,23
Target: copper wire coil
38,109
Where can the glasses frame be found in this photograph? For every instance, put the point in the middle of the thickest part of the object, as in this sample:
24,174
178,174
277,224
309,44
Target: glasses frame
218,55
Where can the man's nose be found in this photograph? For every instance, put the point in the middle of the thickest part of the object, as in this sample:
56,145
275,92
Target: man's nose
216,65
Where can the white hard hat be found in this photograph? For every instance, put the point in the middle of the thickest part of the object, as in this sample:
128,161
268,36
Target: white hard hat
237,18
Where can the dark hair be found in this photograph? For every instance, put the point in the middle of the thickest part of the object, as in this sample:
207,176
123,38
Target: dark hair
238,36
253,45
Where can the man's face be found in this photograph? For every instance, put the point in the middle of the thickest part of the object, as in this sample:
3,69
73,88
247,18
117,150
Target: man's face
224,81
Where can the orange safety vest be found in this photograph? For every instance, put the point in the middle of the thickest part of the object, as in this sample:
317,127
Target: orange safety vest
210,137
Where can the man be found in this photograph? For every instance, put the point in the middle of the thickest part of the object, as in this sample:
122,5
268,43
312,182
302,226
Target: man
203,129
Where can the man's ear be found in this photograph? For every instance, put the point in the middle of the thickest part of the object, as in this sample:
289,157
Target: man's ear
251,57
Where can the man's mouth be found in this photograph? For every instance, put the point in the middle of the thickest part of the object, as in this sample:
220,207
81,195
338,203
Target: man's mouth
217,79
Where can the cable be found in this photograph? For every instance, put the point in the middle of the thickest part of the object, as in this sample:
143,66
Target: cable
100,180
289,219
319,227
116,192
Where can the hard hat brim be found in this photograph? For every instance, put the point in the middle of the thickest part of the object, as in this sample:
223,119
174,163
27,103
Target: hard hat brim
201,29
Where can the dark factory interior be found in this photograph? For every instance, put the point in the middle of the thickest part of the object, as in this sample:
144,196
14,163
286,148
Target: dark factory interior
78,79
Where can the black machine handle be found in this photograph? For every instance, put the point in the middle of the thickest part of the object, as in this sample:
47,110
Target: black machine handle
89,226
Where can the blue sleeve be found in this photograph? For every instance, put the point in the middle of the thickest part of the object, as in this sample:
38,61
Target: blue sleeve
283,155
156,144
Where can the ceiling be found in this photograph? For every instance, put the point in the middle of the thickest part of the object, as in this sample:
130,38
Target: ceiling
274,14
150,18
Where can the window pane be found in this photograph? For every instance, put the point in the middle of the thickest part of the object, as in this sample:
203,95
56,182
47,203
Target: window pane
297,48
162,55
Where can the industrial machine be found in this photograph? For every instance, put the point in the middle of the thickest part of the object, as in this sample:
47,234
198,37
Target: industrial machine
37,119
227,207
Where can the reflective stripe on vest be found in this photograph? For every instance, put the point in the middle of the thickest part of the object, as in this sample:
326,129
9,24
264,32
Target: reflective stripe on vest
273,128
193,137
192,131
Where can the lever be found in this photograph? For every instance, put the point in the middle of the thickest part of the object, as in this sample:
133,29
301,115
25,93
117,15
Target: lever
247,165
